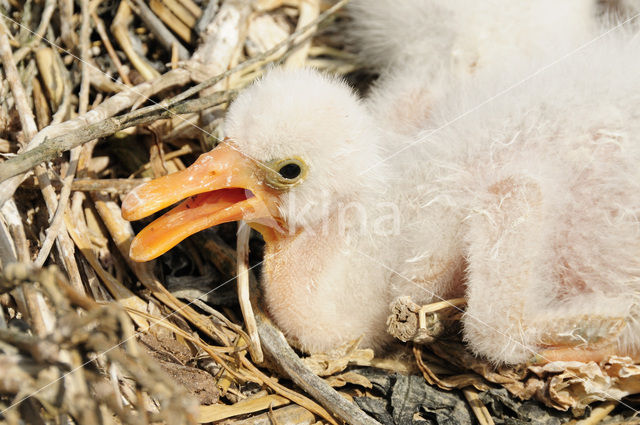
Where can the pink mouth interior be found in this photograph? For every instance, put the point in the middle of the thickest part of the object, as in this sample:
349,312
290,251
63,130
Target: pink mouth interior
192,215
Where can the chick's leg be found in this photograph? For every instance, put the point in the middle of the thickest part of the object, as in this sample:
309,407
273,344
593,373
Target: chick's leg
566,334
513,315
505,236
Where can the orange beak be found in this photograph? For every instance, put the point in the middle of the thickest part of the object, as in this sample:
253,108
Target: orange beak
222,186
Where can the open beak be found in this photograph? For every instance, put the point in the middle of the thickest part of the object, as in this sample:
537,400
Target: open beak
221,186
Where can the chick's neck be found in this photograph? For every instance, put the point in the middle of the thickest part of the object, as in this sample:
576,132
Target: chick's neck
314,290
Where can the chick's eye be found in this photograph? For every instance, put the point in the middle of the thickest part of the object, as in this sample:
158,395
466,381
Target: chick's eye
285,173
290,171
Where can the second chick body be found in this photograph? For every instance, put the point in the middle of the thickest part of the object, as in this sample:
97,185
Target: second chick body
519,135
536,196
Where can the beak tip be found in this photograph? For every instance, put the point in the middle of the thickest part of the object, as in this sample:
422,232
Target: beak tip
131,204
138,253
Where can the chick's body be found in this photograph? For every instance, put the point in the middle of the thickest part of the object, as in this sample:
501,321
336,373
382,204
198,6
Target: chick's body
536,193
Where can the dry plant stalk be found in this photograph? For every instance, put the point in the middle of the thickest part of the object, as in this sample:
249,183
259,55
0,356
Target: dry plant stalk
479,409
216,413
284,415
119,28
277,348
244,232
309,10
84,332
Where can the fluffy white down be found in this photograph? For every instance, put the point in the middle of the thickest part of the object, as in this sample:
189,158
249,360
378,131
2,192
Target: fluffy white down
459,36
311,288
544,182
522,197
319,119
423,48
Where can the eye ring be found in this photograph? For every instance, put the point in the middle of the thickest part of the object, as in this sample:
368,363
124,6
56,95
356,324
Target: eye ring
286,173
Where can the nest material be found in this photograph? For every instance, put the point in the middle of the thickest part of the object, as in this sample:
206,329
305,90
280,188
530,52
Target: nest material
104,340
88,366
560,385
80,97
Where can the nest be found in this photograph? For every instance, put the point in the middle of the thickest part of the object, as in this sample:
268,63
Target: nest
98,97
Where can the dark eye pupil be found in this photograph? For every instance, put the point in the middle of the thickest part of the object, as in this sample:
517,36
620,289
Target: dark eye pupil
290,171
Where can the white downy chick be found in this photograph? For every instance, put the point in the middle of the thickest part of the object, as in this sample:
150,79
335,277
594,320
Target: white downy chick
526,205
535,197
